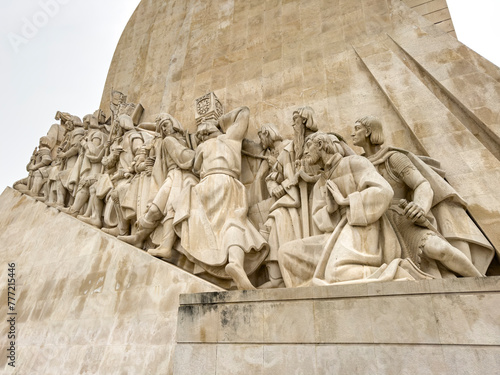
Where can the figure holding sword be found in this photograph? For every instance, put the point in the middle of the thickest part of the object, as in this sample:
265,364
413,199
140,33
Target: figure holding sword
410,211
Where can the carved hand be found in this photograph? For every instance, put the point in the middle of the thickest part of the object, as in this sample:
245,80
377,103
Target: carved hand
271,160
292,181
415,213
118,175
336,194
117,151
279,192
331,205
150,161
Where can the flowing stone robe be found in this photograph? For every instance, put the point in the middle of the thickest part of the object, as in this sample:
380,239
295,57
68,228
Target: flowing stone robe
140,190
284,211
88,165
130,143
254,171
173,172
56,135
288,223
41,157
66,167
360,244
448,211
177,162
212,215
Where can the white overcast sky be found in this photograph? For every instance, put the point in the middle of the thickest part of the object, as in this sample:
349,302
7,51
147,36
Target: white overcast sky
63,62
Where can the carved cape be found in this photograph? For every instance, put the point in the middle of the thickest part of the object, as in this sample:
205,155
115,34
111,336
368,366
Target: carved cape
361,245
448,211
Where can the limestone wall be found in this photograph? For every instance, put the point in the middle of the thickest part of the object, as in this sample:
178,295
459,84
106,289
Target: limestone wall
345,58
435,11
429,327
86,302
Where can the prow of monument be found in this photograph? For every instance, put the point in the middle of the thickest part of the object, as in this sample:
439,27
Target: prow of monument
267,187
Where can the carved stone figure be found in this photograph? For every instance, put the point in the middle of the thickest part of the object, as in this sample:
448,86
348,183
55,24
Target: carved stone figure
414,223
62,148
258,158
349,202
68,155
172,169
125,115
211,219
319,214
86,171
38,171
284,223
125,145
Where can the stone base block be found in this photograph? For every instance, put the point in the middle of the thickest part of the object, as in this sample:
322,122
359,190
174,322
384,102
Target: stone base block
429,327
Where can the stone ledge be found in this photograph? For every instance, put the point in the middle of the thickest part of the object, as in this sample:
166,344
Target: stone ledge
391,288
431,327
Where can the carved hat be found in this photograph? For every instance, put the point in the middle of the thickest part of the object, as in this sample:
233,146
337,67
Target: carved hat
307,113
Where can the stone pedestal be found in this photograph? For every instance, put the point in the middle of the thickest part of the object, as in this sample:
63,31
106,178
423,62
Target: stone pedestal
429,327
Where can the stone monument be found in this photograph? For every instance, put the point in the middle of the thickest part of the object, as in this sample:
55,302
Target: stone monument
324,173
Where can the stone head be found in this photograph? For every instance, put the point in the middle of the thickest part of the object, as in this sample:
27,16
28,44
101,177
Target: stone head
268,134
368,129
303,118
86,121
206,130
166,125
318,146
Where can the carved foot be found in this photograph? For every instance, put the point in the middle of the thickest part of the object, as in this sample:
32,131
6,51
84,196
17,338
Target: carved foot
273,283
239,276
91,221
112,231
69,211
133,240
161,252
